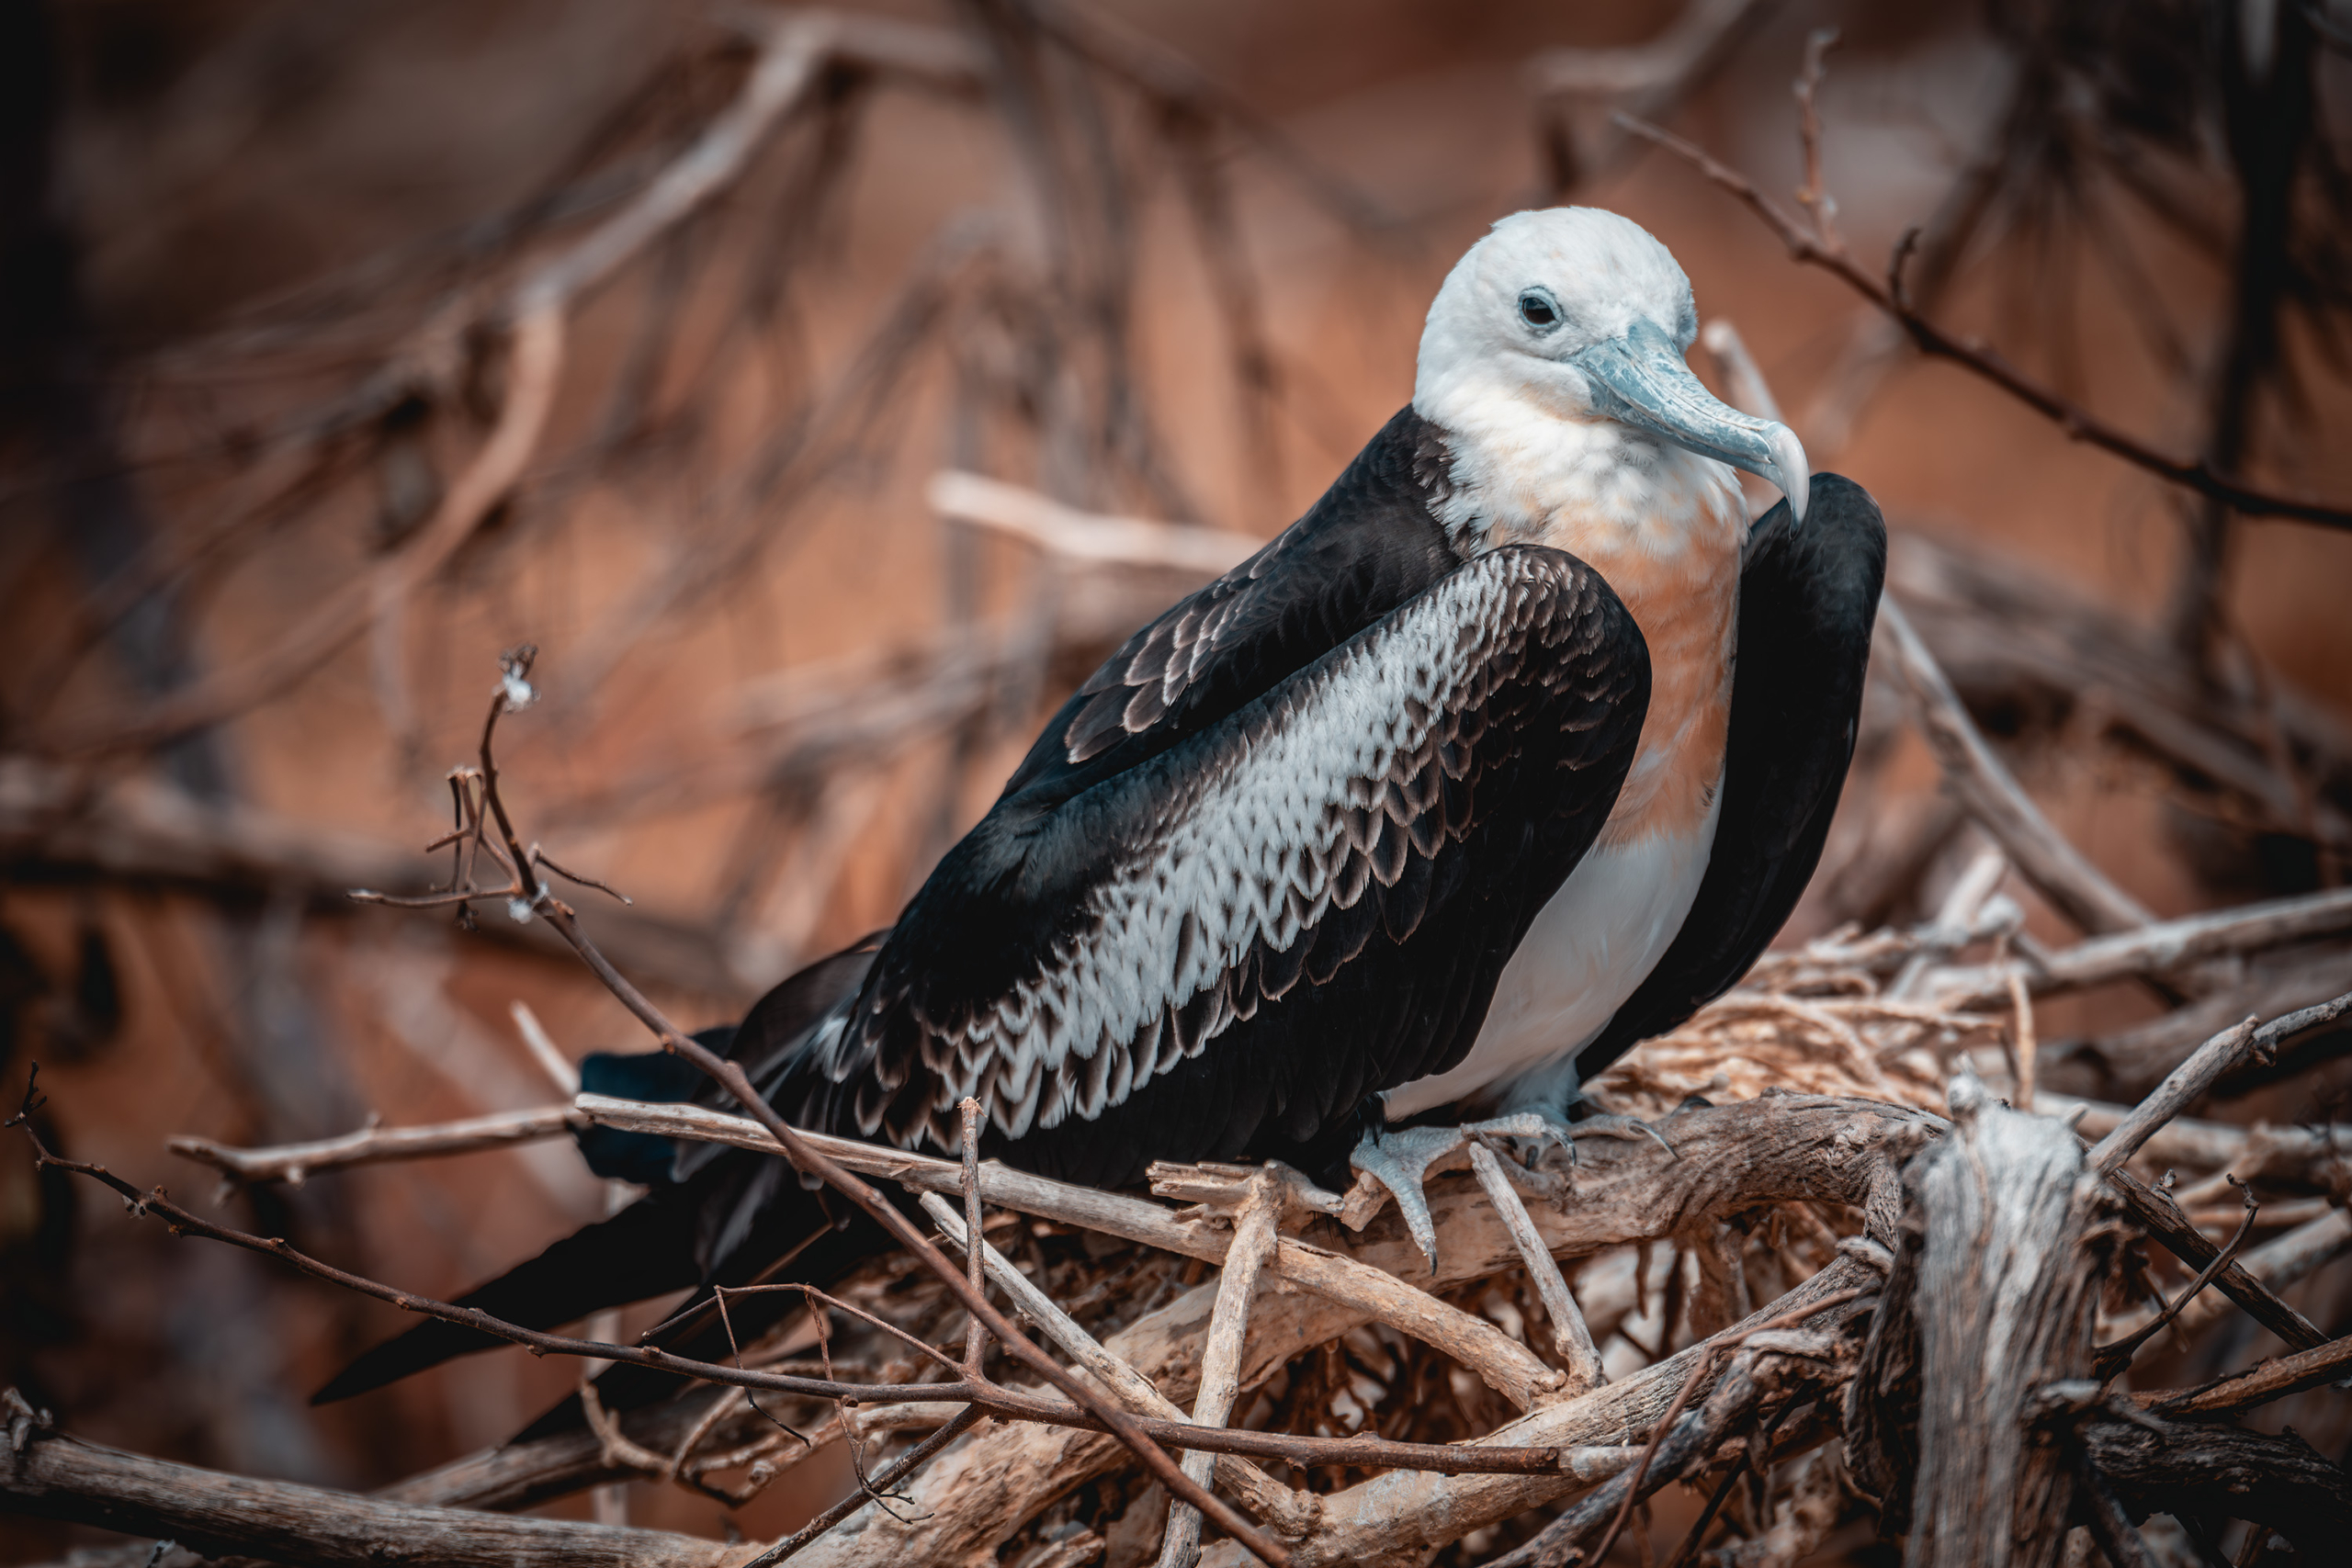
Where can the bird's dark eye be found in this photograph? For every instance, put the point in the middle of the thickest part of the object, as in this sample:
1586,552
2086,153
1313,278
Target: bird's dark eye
1539,310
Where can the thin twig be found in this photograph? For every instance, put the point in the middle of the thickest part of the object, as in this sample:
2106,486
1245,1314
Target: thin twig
1500,1361
976,1334
1571,1339
2210,1061
1292,1513
1717,1349
2110,1360
889,1476
557,1067
2077,421
1253,1243
2025,1050
1814,196
994,1398
2041,854
293,1163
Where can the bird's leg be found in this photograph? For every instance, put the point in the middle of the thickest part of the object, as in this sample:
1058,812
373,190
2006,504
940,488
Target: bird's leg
1554,1093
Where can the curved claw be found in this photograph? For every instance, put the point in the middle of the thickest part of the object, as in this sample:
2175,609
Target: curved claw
1623,1127
1400,1160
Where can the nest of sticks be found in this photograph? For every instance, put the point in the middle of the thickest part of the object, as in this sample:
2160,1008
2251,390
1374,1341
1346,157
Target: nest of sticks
1861,1274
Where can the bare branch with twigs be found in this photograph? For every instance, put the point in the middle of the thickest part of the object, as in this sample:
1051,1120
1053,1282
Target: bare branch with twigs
1818,247
294,1163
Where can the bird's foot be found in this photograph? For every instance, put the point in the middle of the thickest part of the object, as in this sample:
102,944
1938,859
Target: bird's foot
1400,1160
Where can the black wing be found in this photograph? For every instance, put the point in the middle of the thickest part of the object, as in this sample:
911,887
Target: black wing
1366,546
1808,596
1324,882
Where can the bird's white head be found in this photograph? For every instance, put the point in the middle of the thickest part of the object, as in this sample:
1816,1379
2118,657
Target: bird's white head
1584,316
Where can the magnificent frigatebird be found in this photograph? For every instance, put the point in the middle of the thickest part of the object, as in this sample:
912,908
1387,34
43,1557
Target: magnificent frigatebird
1515,750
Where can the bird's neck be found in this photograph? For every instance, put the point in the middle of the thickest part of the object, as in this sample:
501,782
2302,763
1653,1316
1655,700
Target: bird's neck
1665,528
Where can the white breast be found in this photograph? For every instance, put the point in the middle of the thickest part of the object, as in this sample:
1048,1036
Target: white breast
1596,940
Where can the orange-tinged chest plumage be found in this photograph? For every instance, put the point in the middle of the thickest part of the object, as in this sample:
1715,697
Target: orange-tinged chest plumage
1679,576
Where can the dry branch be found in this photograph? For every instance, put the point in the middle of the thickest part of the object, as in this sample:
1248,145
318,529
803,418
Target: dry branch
1084,537
1254,1239
2202,1470
294,1163
1398,1518
59,1477
1571,1339
2041,855
2012,639
532,314
2257,1152
2158,949
1292,1514
1506,1365
2271,1381
2007,1278
1816,248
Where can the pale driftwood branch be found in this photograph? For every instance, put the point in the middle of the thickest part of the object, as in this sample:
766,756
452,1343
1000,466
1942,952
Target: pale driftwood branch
1955,919
2176,1094
2255,1153
2152,950
1292,1514
2002,1284
60,1477
2132,1060
293,1163
559,1068
1084,537
2193,1077
1254,1239
1396,1519
2043,856
1731,1158
1570,1336
1507,1366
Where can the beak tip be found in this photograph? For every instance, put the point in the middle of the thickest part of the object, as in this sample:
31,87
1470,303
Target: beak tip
1795,475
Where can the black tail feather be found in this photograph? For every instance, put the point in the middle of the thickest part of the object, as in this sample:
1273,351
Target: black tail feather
717,1216
647,1249
827,1256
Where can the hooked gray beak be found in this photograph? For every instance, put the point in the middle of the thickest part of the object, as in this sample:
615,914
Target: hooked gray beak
1640,379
